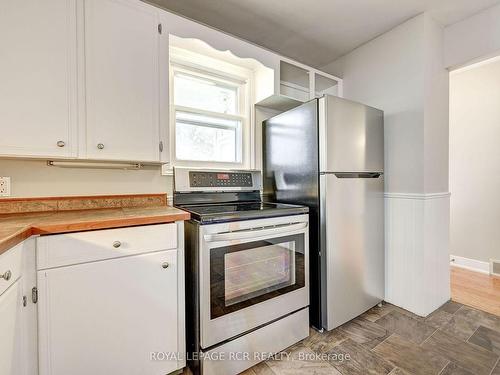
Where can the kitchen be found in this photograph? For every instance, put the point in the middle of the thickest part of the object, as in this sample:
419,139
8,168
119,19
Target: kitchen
152,138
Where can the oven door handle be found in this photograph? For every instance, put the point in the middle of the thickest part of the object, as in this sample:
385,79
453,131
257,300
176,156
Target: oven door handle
252,233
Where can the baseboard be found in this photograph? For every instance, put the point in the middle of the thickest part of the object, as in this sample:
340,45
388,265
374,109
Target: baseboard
470,264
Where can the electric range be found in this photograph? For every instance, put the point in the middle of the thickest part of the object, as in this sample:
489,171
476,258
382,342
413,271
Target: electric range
247,270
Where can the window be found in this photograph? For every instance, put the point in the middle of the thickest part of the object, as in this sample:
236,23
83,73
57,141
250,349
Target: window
210,115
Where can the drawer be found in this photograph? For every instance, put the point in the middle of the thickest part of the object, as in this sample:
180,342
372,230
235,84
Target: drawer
80,247
11,261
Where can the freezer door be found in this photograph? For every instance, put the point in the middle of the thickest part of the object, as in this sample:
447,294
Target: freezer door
352,245
351,136
290,155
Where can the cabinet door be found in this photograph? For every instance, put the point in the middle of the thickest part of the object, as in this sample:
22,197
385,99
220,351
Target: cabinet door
107,317
122,80
11,328
37,78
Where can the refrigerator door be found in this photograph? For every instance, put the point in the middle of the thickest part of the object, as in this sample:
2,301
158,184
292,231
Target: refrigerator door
352,241
351,136
291,175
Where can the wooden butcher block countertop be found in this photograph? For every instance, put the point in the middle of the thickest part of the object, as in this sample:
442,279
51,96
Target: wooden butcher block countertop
19,224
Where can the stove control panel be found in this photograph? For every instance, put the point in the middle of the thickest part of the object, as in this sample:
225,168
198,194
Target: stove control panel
199,179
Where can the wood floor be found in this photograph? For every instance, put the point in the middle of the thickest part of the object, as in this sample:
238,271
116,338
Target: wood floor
476,289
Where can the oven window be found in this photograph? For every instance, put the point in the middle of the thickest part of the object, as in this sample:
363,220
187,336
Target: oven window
245,274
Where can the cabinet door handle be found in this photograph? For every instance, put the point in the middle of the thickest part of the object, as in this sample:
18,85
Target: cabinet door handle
6,275
165,265
61,144
117,244
100,146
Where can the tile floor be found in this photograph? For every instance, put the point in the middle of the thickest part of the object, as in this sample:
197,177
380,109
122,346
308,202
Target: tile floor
455,339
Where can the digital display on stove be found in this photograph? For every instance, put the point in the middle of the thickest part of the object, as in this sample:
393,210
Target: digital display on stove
220,179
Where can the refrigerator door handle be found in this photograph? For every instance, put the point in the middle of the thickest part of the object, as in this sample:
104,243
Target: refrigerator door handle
355,174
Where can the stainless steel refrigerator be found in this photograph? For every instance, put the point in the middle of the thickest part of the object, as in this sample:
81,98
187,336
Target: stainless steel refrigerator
328,154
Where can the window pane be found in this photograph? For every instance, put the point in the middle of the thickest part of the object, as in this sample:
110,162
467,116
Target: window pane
197,92
205,138
205,120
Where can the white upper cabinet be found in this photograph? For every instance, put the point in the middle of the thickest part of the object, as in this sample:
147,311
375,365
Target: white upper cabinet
38,78
122,44
326,85
295,84
89,79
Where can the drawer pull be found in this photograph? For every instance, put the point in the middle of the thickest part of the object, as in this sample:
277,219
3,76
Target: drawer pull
117,244
6,275
165,265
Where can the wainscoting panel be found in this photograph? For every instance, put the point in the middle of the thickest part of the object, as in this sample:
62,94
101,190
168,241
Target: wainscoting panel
417,251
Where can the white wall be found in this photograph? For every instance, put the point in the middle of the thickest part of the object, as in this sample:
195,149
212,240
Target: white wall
436,113
387,73
476,37
402,73
475,162
32,178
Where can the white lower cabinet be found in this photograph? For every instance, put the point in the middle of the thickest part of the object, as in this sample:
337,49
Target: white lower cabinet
11,343
17,311
112,316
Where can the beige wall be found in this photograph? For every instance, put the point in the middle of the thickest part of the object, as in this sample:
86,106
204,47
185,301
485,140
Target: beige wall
475,162
35,179
473,39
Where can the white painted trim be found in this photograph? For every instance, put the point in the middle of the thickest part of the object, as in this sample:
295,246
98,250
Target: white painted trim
417,262
420,196
470,264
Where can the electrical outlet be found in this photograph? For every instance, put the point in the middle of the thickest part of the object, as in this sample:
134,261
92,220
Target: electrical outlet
4,186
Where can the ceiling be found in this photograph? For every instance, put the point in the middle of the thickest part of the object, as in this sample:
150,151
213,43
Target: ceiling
316,32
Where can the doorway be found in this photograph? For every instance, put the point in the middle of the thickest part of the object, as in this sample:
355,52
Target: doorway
475,185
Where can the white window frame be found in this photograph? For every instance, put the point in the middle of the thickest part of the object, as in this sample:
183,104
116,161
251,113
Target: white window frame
191,63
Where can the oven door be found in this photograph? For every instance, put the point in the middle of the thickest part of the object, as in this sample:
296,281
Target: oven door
252,273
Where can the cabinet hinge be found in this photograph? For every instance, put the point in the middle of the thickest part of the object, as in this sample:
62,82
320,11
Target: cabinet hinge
161,146
159,28
34,294
25,301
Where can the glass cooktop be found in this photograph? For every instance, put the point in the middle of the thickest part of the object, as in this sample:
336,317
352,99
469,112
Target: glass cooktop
214,213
